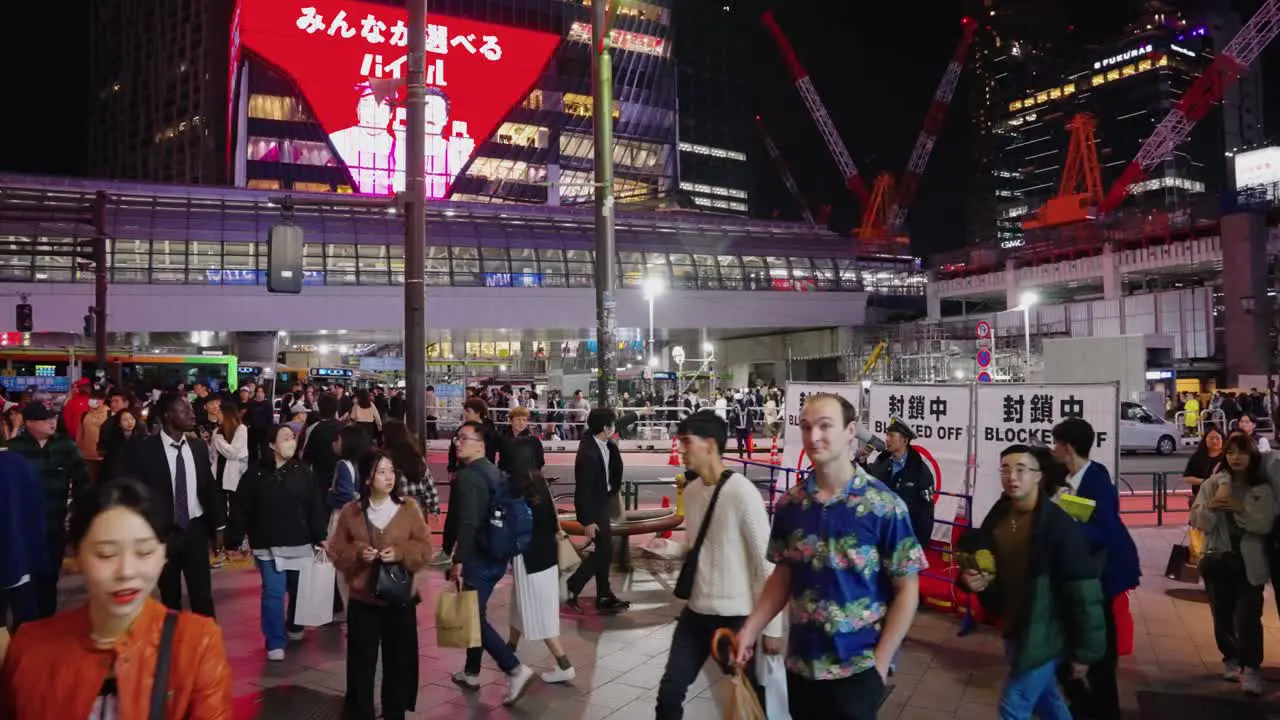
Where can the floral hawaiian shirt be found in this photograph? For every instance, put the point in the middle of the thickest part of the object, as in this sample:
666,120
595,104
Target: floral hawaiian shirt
843,557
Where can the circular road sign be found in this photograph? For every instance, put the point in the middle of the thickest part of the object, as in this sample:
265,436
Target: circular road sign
984,358
984,329
984,377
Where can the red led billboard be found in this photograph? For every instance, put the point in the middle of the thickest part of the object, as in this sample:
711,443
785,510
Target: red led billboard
349,61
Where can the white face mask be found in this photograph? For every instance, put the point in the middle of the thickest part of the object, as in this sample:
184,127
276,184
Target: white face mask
93,403
287,448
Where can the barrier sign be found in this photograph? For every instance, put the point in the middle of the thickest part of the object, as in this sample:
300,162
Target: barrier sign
1009,414
939,416
793,449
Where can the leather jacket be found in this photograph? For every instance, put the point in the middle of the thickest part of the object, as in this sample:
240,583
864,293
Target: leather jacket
53,671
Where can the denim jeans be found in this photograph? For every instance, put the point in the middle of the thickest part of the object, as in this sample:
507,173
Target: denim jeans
1034,692
690,648
483,577
275,583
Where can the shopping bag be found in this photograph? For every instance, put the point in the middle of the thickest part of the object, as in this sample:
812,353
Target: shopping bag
1124,624
567,556
1181,565
458,619
315,593
1195,543
742,703
771,672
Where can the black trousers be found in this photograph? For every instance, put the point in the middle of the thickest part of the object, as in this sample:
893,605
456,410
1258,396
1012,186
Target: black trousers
45,584
189,558
690,648
433,433
1236,607
744,437
395,629
1099,699
596,565
852,698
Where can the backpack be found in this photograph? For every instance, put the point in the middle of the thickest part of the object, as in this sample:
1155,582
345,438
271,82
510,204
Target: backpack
509,530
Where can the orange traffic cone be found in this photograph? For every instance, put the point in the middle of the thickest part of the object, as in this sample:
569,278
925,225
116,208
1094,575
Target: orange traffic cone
751,446
773,453
674,459
666,503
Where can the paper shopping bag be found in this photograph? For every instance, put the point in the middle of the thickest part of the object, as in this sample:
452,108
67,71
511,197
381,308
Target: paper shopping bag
771,672
1195,543
315,593
742,703
458,619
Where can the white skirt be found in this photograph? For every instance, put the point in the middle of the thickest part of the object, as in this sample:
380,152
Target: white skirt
535,604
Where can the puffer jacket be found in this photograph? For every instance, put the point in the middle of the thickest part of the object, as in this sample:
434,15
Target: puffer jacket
53,672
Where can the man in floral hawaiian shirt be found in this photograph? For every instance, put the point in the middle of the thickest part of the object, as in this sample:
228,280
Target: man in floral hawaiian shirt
848,562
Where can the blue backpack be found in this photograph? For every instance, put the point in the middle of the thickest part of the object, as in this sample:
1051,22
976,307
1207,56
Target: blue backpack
509,529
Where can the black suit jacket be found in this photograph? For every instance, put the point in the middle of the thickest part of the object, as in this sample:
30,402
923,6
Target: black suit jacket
150,465
592,492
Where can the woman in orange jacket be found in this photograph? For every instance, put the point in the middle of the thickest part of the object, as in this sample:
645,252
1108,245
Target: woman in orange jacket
104,659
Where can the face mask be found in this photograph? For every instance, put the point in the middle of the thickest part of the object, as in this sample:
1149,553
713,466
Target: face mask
94,403
287,448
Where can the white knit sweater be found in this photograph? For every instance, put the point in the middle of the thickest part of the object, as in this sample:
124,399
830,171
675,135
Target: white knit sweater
732,568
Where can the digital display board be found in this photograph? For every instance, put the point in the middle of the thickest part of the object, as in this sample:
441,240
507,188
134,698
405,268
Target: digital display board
331,372
349,61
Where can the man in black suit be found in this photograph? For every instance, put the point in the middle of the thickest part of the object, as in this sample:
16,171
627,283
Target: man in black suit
597,471
188,507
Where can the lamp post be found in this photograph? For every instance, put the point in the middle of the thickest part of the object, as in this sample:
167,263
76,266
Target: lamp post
1025,302
653,287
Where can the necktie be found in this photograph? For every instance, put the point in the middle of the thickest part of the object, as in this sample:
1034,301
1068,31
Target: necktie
181,509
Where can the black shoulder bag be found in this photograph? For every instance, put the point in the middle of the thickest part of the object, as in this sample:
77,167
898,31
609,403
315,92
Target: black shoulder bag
684,583
389,582
160,684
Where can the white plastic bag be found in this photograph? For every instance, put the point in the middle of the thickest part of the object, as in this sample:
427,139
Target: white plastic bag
771,672
315,593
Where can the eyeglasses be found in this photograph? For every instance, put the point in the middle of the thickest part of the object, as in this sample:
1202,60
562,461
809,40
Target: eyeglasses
1018,471
459,439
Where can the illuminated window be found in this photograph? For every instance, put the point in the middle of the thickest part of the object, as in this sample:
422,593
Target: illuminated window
1164,61
1015,105
312,187
1144,65
276,107
580,106
712,151
264,184
1113,75
1128,70
1042,97
622,40
1069,89
532,136
534,101
1054,94
637,9
487,168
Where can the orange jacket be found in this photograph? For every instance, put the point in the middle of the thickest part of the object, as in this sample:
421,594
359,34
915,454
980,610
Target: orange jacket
53,671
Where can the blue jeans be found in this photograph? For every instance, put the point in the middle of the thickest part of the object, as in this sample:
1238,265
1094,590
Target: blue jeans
1033,692
483,577
275,583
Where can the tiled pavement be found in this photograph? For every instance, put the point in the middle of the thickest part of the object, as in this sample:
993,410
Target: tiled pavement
620,659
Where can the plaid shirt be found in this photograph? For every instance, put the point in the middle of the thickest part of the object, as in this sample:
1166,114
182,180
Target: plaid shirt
424,491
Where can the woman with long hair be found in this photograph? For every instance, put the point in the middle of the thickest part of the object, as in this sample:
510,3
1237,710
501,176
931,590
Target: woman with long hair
1248,424
416,478
1206,461
1236,511
230,443
99,660
126,436
365,415
382,526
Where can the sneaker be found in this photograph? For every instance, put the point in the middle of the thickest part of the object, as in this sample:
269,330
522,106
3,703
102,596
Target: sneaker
1230,671
441,558
217,561
275,655
465,681
559,675
1251,681
517,682
297,635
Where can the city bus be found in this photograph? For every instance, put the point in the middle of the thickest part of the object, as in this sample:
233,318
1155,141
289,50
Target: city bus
54,369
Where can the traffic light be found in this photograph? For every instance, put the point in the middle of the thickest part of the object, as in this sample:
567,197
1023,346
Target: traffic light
26,320
88,324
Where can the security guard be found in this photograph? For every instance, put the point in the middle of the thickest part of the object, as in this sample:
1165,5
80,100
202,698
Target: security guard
904,470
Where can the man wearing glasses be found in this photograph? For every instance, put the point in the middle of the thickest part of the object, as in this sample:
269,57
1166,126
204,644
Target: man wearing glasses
1044,587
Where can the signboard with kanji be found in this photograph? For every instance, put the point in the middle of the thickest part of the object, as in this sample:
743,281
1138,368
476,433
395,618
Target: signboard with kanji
1009,414
939,417
797,393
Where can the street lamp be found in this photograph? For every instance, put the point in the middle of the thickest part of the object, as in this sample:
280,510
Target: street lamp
1025,302
653,287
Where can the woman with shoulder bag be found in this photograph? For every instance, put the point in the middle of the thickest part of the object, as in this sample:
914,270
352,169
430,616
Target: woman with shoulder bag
1236,510
381,536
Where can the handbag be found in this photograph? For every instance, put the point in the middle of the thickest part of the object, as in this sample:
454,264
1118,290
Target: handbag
390,582
567,556
684,583
1181,566
160,685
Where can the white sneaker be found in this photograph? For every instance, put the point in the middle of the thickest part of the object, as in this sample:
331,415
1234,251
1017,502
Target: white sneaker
275,655
296,635
1230,671
441,558
468,682
559,675
1251,681
517,682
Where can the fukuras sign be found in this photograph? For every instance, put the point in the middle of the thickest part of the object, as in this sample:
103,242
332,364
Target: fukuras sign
1009,414
939,416
797,393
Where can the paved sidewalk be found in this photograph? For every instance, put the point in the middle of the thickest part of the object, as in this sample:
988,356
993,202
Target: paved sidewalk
620,659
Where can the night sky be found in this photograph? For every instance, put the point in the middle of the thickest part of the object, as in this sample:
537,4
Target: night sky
875,64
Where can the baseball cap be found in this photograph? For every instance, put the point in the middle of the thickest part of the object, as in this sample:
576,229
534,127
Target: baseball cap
37,411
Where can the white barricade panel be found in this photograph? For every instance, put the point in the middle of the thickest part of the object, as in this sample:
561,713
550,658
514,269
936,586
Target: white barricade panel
1010,413
939,416
793,443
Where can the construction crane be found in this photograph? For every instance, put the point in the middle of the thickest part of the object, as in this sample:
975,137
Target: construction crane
785,172
1081,190
822,118
933,124
875,357
876,212
1196,102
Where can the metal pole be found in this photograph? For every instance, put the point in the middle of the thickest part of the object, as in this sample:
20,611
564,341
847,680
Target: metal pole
651,355
606,250
415,225
1026,336
100,283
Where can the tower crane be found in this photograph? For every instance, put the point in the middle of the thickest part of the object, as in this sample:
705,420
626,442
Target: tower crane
1196,102
785,172
876,213
933,123
1081,190
822,118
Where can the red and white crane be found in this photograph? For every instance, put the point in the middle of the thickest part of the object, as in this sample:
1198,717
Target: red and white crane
1196,102
818,111
785,172
933,123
